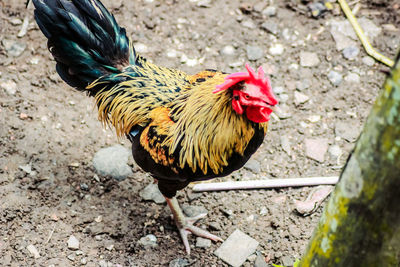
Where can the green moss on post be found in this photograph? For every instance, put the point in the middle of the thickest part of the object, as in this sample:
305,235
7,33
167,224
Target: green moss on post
360,225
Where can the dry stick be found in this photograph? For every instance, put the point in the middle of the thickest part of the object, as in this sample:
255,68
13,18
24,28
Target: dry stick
51,234
268,183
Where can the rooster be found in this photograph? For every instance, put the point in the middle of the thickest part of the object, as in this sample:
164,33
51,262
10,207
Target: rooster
183,128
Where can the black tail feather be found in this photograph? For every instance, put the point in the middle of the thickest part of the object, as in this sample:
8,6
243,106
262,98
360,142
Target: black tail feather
84,38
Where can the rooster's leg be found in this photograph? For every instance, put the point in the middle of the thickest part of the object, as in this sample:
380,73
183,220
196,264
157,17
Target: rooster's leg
185,224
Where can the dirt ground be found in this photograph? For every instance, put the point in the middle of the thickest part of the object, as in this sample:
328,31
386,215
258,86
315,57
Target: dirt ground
49,133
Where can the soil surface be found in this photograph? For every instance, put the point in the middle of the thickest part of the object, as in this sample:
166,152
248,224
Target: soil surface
49,133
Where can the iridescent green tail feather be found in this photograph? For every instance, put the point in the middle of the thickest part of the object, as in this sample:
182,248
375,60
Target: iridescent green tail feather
85,40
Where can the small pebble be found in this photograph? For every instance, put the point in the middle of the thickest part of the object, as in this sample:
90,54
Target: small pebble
316,148
254,52
16,21
172,53
71,257
300,98
148,241
260,261
9,86
13,48
34,252
253,166
308,59
303,84
179,263
276,49
283,98
270,27
352,78
369,61
236,248
151,192
141,48
249,24
351,52
269,11
228,50
192,210
263,211
335,77
335,151
203,242
73,243
285,144
83,261
314,118
278,90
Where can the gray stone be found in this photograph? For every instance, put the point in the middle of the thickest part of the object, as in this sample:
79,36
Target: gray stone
283,98
270,27
192,210
263,211
278,90
215,226
352,78
9,86
253,166
343,34
300,98
269,11
16,21
28,169
71,257
370,29
236,248
148,241
303,84
13,48
308,59
260,261
151,192
351,52
34,252
228,50
249,24
347,131
283,112
203,242
141,48
287,261
259,6
369,61
335,77
316,148
73,243
179,263
204,3
193,195
254,52
276,49
113,161
285,144
335,151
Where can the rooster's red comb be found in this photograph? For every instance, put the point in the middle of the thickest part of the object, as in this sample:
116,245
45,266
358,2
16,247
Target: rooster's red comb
250,77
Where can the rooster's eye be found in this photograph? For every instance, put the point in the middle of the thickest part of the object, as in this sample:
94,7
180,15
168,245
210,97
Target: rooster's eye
247,96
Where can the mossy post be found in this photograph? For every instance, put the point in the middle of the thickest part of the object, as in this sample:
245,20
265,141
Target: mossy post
360,225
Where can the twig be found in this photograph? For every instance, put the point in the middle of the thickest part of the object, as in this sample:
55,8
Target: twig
51,234
360,33
268,183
